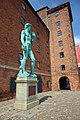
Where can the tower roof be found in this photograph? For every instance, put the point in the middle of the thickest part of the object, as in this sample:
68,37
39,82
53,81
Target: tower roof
66,4
46,7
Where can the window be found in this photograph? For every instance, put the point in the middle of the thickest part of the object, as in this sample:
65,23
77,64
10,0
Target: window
38,35
59,33
62,67
20,57
48,84
38,48
61,54
47,43
58,23
60,43
47,55
57,14
38,64
49,68
22,20
38,23
23,6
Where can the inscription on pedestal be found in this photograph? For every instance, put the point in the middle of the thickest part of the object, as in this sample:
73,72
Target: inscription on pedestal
32,90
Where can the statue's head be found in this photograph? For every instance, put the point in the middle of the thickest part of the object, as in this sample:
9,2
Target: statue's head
27,26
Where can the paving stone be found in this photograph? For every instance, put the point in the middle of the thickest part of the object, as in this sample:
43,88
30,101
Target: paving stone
62,105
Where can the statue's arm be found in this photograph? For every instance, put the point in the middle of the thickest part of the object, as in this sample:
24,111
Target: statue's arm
22,37
33,37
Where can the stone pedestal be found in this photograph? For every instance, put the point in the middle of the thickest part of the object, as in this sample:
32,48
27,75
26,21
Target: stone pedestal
26,93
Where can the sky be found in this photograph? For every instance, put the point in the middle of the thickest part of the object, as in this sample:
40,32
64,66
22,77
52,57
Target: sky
75,8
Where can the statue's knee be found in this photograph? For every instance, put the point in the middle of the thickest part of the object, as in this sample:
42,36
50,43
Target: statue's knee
33,60
23,60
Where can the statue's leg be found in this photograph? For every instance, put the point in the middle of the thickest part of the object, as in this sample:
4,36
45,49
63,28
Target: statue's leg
24,64
22,68
32,63
22,71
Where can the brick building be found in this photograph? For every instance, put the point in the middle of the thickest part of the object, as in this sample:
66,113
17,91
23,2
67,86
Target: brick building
64,70
13,16
55,23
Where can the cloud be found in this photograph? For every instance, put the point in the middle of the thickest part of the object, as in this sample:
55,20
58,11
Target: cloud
77,40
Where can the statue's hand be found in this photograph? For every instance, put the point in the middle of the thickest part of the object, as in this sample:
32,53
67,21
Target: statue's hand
23,47
33,35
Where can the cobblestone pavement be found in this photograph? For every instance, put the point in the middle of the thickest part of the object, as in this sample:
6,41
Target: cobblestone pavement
54,105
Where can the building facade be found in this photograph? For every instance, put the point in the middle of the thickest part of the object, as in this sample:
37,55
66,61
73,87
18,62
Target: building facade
54,49
64,69
13,16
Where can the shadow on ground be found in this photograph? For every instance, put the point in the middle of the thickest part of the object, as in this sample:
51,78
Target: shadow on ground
44,98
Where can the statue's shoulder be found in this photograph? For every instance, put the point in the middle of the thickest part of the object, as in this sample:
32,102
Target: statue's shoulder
26,33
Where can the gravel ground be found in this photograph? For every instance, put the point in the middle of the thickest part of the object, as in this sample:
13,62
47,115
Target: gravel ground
54,105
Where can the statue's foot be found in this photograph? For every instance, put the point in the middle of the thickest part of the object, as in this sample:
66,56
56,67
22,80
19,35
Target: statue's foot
33,75
20,73
25,74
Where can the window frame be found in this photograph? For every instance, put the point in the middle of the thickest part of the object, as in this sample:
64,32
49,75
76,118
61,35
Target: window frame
38,35
61,54
63,68
49,68
38,23
23,6
49,84
60,43
22,20
58,23
20,57
57,14
38,64
38,48
59,33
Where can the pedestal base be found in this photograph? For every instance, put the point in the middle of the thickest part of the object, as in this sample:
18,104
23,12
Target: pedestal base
26,93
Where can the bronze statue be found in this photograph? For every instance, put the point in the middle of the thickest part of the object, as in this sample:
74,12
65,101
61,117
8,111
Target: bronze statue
27,39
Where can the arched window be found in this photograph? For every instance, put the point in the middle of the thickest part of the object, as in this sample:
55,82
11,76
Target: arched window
60,43
57,14
49,84
23,6
38,64
20,57
22,20
58,23
59,33
38,48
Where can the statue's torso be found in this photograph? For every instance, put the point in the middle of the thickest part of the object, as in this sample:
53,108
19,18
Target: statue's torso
28,37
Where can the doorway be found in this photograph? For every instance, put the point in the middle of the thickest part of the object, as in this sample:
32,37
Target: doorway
64,83
39,83
12,85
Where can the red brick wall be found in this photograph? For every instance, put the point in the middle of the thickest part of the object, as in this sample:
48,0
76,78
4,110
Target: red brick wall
68,48
10,46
